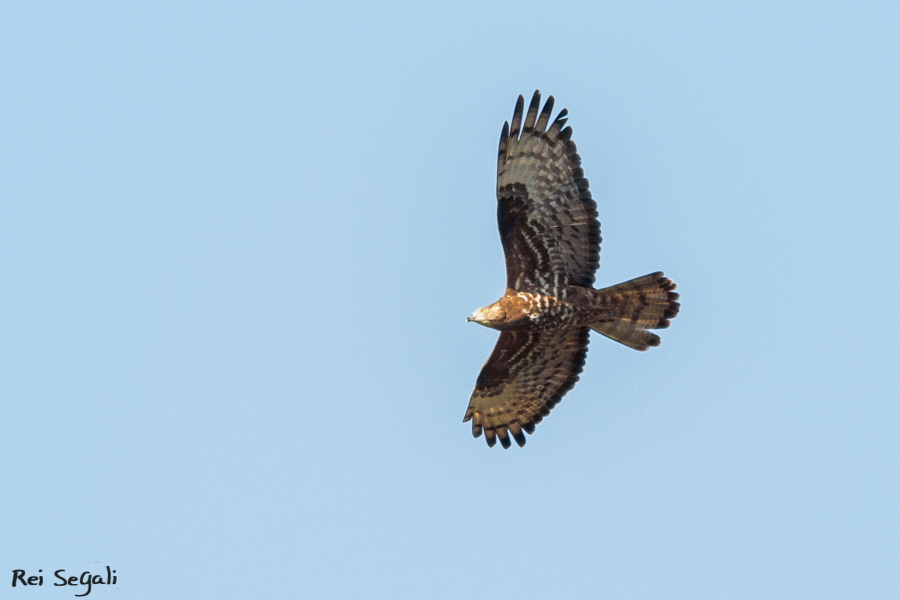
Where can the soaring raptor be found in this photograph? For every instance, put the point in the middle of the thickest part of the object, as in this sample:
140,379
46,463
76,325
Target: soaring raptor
551,240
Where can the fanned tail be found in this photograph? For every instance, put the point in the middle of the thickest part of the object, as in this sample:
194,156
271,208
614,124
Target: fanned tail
634,306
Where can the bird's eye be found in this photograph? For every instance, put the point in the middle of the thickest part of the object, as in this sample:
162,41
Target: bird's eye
484,310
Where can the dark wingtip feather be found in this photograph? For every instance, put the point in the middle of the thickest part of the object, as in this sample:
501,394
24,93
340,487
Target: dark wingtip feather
541,126
520,439
531,117
504,146
517,118
557,125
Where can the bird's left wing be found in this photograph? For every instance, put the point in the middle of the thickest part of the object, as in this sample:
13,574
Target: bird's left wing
547,218
527,374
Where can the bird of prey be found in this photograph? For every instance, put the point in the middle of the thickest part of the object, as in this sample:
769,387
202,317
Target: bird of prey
551,241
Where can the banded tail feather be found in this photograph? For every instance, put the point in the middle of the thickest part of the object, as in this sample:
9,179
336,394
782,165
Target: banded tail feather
640,304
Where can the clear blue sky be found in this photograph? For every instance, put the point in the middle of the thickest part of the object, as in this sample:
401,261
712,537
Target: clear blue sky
238,244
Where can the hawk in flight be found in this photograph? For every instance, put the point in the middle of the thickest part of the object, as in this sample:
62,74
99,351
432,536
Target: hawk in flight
551,240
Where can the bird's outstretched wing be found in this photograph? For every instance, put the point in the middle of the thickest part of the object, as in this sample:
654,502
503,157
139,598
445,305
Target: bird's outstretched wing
547,218
527,375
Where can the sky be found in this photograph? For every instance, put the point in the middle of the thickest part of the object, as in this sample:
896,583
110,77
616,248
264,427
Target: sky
238,244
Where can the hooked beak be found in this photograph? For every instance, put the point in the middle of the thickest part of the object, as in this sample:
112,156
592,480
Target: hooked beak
468,319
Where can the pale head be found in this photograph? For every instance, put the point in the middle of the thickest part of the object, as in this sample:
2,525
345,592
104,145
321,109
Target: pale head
489,316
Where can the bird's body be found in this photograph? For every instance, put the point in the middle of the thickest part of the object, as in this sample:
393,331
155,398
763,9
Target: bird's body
551,240
577,307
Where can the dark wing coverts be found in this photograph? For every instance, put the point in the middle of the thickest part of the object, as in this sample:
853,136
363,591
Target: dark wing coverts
547,218
527,374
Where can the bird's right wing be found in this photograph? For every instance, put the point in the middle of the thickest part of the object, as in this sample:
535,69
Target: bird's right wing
527,374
